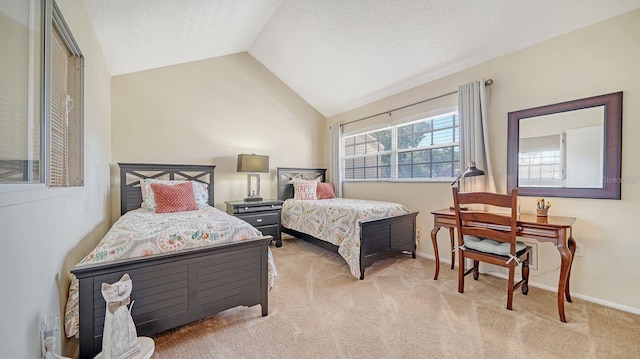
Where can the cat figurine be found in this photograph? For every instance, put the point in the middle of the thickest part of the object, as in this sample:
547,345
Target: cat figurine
119,338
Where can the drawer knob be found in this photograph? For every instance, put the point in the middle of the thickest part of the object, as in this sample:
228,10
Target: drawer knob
246,208
259,220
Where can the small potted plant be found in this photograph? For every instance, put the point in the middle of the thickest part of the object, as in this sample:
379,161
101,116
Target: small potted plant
542,207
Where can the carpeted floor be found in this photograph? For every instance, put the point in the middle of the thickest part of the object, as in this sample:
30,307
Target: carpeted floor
317,310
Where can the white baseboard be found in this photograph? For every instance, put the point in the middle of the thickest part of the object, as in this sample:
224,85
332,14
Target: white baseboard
587,298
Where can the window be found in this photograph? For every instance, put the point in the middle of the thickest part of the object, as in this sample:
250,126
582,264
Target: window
540,161
64,113
41,100
20,92
424,149
368,155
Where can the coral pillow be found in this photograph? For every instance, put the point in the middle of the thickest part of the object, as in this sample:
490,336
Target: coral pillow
200,192
325,191
174,198
304,189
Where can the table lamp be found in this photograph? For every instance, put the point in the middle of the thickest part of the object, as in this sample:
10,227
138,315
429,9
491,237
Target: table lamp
254,165
470,171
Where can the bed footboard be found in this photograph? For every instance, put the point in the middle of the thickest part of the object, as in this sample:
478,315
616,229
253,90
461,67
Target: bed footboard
379,238
176,289
382,237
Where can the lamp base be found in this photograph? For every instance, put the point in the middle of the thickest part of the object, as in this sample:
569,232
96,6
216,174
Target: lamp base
253,199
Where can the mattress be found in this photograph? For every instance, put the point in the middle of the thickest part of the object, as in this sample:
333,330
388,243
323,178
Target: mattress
337,221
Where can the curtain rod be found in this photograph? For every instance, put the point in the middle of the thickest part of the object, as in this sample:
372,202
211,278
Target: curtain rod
489,82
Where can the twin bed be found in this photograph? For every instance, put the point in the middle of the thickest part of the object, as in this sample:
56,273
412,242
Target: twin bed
179,277
191,265
360,231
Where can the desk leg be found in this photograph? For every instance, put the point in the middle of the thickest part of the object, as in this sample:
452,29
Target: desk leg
453,252
434,241
566,258
572,248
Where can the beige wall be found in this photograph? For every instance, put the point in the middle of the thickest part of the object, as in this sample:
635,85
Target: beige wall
208,112
599,59
45,232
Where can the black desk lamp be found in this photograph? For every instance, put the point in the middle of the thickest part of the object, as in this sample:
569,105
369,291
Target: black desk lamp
470,171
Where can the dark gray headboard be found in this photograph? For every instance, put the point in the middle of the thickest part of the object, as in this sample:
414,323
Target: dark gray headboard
287,174
132,173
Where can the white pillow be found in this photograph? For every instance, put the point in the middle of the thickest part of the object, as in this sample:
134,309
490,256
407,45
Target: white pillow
304,189
200,192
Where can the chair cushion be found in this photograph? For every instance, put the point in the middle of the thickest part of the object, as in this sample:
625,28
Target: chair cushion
490,246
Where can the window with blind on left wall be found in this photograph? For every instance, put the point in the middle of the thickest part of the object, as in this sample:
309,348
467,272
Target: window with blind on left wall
64,115
41,99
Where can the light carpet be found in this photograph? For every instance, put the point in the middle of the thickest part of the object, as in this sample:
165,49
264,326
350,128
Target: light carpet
318,310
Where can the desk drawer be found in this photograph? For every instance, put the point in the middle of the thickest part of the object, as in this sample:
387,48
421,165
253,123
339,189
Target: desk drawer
261,219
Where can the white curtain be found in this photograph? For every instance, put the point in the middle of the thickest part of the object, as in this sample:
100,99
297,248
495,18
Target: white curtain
474,136
335,168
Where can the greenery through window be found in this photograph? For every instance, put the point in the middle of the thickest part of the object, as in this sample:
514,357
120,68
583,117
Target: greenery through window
424,149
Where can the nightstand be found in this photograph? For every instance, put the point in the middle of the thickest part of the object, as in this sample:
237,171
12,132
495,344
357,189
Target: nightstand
264,215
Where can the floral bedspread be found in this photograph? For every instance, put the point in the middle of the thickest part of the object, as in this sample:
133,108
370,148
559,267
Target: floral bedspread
142,233
337,221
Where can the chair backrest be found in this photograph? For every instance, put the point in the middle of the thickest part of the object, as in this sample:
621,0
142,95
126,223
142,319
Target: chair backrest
495,224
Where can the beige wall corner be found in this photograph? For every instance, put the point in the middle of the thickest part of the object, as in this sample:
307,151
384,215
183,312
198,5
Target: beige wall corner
596,60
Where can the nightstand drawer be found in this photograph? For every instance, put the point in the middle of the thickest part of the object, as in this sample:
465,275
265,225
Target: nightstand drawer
259,220
257,208
271,230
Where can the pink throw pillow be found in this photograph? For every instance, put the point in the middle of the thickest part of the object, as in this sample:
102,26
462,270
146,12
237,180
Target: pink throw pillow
325,191
304,190
174,198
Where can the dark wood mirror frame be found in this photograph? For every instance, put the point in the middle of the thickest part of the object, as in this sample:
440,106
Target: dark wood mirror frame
612,148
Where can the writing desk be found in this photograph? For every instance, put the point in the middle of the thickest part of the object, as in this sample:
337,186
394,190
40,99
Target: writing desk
554,229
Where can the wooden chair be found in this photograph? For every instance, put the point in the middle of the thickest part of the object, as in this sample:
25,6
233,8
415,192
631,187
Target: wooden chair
490,236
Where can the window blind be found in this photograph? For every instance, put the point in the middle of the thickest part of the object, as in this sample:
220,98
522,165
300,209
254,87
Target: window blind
58,120
65,118
74,127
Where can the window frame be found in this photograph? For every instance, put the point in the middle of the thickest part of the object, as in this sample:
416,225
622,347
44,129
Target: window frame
53,20
394,151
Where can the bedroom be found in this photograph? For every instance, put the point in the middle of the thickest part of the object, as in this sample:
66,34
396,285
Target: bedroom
123,112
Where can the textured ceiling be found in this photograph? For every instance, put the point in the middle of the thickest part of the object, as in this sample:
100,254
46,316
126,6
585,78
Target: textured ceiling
138,35
337,54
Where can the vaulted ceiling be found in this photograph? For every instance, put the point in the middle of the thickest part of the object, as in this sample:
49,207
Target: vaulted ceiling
337,54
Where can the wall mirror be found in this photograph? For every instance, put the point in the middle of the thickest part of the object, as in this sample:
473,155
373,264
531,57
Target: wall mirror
568,149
